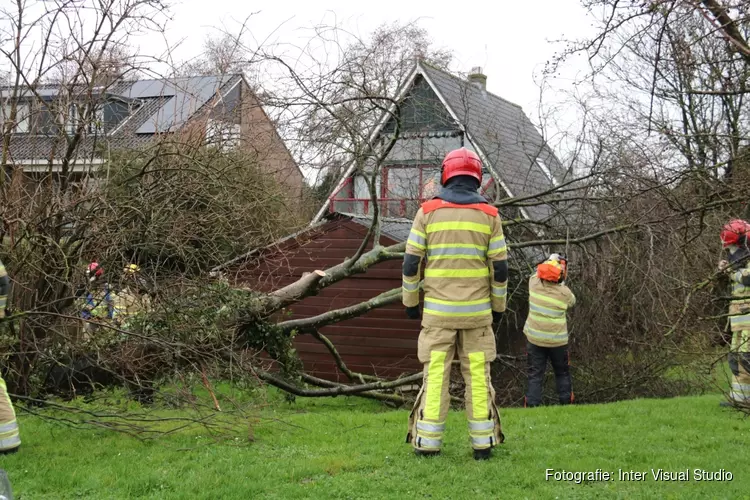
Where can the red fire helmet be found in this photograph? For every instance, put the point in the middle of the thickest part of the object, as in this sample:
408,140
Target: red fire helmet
94,269
735,232
461,162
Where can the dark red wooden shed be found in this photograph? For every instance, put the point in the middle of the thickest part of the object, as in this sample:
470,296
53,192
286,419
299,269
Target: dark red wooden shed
382,342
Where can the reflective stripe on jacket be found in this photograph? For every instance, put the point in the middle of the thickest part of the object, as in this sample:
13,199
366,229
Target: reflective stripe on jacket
739,306
98,304
9,435
127,305
459,243
546,324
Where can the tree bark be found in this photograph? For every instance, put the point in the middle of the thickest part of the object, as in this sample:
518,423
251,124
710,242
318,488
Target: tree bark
379,396
311,284
341,390
728,27
337,315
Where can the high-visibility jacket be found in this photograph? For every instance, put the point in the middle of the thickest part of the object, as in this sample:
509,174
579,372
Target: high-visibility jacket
98,304
460,243
739,320
547,325
127,304
739,306
9,436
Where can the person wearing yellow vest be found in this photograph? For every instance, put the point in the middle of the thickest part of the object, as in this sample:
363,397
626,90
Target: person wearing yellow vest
465,286
546,329
10,438
96,298
129,300
734,238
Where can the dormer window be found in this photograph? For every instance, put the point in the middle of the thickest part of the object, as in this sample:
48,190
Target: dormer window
79,112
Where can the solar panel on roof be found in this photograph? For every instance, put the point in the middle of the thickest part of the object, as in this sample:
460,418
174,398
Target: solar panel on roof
142,89
189,94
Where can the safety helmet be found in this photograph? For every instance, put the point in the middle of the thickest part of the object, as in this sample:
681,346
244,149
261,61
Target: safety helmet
94,271
131,269
554,269
461,162
735,232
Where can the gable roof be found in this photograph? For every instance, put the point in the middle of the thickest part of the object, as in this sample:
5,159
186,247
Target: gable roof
161,105
509,144
507,137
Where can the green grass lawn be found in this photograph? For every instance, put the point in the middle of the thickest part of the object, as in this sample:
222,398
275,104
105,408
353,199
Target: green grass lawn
347,448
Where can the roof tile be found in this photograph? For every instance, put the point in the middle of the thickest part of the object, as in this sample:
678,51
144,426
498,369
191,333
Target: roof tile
503,132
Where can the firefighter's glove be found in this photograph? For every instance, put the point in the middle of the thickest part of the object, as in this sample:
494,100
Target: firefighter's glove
496,317
412,312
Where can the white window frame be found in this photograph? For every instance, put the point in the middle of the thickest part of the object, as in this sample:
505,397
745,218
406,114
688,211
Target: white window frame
74,116
22,117
222,134
23,121
71,123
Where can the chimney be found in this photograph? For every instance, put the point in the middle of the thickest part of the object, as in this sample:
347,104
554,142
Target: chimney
476,77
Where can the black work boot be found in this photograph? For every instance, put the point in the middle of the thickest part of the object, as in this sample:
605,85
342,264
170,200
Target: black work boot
10,451
484,454
426,453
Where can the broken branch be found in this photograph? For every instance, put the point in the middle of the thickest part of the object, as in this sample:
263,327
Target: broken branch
343,390
337,315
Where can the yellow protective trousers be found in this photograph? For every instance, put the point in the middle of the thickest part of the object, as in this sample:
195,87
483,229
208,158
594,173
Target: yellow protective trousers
436,349
739,363
9,436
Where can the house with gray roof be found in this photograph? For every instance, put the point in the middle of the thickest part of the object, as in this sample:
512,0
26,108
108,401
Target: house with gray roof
440,112
220,110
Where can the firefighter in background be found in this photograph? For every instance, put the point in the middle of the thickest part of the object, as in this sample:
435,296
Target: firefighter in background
546,329
138,356
465,286
10,439
734,239
98,301
131,298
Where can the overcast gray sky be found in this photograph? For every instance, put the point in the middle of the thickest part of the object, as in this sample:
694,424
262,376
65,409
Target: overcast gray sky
510,40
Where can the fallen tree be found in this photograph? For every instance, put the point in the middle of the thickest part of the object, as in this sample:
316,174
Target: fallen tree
627,224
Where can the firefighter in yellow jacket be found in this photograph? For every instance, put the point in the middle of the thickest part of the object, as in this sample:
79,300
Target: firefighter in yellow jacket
130,299
546,329
10,438
734,238
465,285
